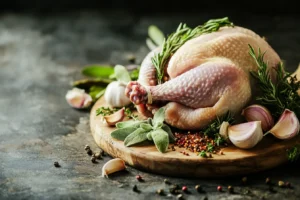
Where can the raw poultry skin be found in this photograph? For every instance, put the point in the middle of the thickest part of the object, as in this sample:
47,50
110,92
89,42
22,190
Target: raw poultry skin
209,76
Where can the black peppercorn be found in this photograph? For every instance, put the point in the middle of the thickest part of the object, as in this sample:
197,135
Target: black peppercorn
97,155
230,189
93,159
56,164
89,152
135,189
198,188
102,153
87,147
160,191
268,181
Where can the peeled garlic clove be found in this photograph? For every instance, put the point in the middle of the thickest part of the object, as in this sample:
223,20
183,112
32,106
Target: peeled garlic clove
224,129
259,113
245,135
116,117
287,126
113,166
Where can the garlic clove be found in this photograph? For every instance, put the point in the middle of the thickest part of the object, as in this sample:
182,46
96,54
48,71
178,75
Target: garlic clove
224,129
287,126
116,117
245,135
113,166
259,113
77,98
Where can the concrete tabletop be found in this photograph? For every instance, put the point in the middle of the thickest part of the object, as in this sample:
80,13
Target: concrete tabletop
40,55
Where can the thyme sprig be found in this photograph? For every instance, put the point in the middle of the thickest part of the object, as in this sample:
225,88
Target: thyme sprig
276,96
214,127
104,111
181,36
294,153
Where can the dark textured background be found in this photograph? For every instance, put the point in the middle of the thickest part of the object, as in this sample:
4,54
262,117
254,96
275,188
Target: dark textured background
43,47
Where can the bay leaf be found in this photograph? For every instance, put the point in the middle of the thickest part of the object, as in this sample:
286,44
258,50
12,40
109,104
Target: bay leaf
160,139
122,74
98,71
138,136
169,131
156,35
159,118
122,133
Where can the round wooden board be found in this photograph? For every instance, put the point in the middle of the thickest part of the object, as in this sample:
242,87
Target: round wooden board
269,153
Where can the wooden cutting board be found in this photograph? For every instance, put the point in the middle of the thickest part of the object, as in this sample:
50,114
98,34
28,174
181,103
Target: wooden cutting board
269,153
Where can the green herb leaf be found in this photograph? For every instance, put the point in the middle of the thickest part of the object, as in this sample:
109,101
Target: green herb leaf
294,153
156,35
122,133
86,84
149,136
134,74
130,123
169,131
146,127
159,118
138,136
98,71
203,154
122,74
160,139
105,111
96,92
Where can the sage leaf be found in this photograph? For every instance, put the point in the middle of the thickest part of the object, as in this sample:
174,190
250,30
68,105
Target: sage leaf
122,133
146,127
169,131
149,136
121,74
159,118
138,136
150,44
98,71
130,123
160,139
156,35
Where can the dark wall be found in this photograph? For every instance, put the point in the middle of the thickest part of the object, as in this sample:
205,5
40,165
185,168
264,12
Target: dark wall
149,6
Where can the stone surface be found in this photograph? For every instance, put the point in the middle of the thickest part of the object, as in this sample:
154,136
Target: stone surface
41,55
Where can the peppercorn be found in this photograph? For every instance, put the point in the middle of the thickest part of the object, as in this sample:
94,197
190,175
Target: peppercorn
138,177
87,147
288,184
97,155
160,191
180,197
244,180
281,184
230,189
219,188
198,188
56,164
89,152
135,189
93,159
102,153
268,180
167,181
184,188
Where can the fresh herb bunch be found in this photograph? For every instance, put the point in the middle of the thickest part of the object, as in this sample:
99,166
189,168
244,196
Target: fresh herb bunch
280,95
104,111
181,36
214,127
136,132
294,153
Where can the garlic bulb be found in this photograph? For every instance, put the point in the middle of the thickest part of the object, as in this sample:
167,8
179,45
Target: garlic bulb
245,135
287,126
115,94
259,113
113,166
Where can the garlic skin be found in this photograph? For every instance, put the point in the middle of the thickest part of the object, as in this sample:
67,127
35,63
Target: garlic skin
245,135
77,98
224,129
287,126
115,94
259,113
113,166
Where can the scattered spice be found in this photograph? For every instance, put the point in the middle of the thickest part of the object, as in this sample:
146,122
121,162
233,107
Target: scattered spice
230,189
56,164
97,155
160,191
179,197
268,181
198,188
89,152
288,184
219,188
244,180
203,154
174,189
138,177
87,147
281,184
93,159
167,181
173,148
135,189
184,188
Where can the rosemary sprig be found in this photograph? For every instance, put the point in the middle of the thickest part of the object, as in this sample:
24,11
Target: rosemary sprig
276,96
181,36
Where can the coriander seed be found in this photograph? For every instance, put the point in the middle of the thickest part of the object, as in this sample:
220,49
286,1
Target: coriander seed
281,184
56,164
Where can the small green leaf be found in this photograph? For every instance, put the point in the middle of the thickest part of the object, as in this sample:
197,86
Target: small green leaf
156,35
134,74
122,74
98,71
146,127
121,134
130,123
160,139
169,131
138,136
96,92
86,84
159,117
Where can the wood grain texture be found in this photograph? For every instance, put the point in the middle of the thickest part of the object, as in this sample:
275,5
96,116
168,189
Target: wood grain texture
269,153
